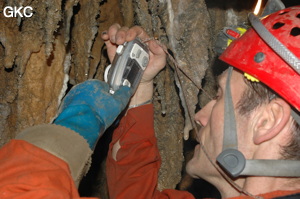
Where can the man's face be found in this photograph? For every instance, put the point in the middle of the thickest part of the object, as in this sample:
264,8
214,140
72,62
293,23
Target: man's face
211,117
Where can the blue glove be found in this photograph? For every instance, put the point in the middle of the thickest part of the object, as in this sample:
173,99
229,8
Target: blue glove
89,109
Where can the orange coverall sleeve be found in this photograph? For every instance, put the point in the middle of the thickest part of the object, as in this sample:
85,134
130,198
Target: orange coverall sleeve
134,174
27,172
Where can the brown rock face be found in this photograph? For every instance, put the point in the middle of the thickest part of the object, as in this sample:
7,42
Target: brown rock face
60,46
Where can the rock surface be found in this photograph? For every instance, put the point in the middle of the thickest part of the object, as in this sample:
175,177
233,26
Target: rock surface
59,46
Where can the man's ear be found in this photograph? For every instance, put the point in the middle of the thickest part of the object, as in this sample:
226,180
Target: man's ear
271,119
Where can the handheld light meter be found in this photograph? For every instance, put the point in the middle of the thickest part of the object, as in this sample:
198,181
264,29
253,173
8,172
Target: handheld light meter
128,66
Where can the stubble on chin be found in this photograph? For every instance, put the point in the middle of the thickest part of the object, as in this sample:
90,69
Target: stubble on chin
194,164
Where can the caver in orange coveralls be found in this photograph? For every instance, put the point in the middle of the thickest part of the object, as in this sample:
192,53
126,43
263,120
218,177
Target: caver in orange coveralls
48,161
28,171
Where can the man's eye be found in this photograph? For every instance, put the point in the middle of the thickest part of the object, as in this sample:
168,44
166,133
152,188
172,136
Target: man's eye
218,94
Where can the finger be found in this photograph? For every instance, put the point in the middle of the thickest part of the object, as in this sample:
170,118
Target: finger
122,95
106,39
98,86
103,85
121,35
112,31
111,49
104,35
156,48
136,31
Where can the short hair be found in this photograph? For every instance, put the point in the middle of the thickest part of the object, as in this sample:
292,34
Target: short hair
257,94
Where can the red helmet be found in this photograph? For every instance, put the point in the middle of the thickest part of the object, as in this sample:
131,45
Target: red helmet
251,54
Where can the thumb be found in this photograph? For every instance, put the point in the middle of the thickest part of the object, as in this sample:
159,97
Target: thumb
123,95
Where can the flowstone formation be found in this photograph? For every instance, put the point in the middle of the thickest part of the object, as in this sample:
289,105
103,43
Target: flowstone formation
43,56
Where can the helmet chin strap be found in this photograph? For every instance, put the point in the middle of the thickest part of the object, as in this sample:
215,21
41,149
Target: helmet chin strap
233,161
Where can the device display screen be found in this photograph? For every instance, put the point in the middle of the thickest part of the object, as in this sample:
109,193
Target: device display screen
133,74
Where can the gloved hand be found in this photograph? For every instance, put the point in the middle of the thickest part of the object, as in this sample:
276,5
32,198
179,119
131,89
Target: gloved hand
89,109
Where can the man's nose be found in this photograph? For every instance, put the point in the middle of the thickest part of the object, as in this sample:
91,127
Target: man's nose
202,116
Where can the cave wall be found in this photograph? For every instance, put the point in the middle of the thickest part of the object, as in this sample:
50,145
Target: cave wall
59,46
